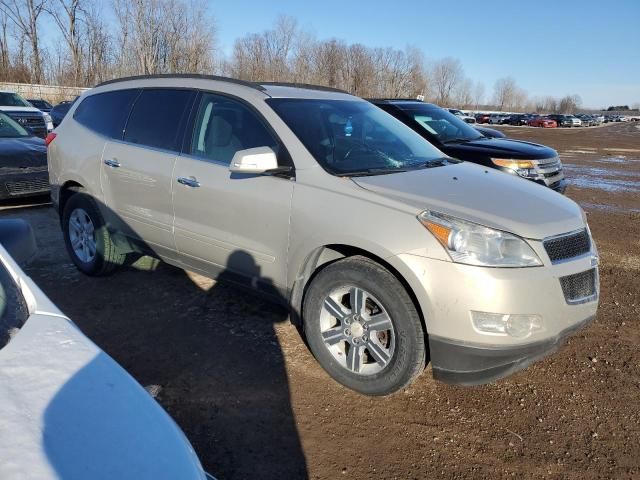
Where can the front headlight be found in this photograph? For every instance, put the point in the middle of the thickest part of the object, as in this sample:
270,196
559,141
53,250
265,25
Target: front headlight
47,117
474,244
524,168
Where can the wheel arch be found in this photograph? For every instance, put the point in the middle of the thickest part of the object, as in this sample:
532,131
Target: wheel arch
67,189
327,254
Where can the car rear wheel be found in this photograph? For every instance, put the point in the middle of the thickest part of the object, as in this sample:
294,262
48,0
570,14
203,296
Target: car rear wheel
363,327
87,239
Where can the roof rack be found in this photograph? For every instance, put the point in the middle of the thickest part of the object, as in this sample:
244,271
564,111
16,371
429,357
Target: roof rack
302,85
254,85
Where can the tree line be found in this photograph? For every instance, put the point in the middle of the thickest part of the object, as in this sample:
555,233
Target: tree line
178,36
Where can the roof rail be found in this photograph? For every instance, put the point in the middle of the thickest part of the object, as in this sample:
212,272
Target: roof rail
303,85
394,100
185,75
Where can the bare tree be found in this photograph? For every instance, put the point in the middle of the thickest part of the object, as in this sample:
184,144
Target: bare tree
464,94
569,103
66,14
446,75
4,43
25,15
503,92
478,95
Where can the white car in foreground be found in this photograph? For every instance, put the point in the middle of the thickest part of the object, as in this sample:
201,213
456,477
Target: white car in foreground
67,409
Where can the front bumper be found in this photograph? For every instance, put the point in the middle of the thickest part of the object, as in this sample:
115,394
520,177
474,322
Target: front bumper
25,182
448,292
465,364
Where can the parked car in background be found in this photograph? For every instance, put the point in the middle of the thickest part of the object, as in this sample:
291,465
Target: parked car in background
463,116
68,410
25,114
40,104
544,122
561,120
455,138
149,156
23,161
60,110
599,119
483,118
490,132
497,118
575,121
518,120
587,120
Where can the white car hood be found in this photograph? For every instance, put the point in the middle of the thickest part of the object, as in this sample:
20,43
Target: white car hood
68,410
481,195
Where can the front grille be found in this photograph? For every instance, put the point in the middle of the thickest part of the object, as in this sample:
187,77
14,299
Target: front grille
580,287
567,246
34,121
25,187
552,174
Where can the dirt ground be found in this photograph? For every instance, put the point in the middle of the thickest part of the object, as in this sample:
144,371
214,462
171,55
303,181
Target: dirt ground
239,380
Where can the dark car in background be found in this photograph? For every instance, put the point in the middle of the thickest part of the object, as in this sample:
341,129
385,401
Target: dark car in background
60,110
40,104
519,120
561,120
23,161
459,140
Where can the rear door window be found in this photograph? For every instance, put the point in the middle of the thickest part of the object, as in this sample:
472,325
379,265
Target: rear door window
158,117
105,113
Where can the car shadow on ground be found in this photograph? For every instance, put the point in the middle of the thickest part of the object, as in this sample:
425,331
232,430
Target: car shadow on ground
211,351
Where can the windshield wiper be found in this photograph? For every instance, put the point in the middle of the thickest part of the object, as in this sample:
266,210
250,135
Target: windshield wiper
457,140
372,171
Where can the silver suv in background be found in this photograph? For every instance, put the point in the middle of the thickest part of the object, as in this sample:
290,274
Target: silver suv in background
25,114
388,252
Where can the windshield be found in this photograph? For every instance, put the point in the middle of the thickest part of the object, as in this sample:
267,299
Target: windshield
8,99
444,126
355,137
9,128
40,103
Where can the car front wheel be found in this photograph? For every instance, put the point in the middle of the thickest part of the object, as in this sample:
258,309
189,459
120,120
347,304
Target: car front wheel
363,327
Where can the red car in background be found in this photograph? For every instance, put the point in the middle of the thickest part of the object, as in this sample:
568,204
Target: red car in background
482,118
542,122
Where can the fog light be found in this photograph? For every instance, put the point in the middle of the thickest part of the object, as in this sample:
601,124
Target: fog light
514,325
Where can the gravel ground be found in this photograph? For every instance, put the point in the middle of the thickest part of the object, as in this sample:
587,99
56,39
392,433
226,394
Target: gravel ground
241,383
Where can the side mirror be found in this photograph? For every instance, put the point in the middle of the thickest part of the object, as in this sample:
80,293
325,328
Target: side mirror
17,237
254,160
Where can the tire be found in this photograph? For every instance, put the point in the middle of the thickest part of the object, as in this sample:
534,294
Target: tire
389,359
100,258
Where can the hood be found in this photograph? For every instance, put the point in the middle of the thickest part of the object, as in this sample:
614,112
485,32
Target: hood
501,148
481,195
22,152
4,108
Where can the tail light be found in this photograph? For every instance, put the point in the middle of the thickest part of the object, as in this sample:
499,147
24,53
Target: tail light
50,138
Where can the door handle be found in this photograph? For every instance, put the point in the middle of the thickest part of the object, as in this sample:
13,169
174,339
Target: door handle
112,163
189,181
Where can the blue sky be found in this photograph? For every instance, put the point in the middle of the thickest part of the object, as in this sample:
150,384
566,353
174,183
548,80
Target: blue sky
588,47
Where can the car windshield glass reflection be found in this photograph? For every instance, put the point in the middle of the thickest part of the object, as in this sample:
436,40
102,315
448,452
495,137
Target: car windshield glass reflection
9,99
355,137
443,125
9,128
